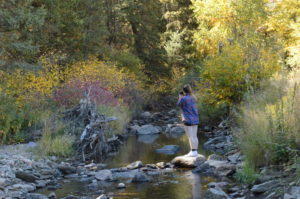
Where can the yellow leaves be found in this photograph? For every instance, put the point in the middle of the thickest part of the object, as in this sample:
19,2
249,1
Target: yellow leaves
226,77
213,17
27,85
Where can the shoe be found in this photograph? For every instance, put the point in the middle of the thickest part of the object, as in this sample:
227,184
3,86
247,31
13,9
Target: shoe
192,154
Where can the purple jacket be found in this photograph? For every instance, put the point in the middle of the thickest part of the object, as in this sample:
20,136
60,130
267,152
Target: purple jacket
189,109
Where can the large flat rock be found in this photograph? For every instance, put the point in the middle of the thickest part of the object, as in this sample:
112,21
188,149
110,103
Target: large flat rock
104,175
221,168
188,162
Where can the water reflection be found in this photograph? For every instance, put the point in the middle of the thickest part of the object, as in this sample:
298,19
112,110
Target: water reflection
147,139
182,184
143,148
194,180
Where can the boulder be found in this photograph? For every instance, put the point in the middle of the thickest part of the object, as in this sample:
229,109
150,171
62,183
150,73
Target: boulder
65,169
27,177
146,115
3,182
24,187
263,187
211,143
148,129
125,174
135,165
133,129
156,116
168,149
204,169
221,168
188,162
104,175
215,193
140,177
295,191
235,158
40,183
288,196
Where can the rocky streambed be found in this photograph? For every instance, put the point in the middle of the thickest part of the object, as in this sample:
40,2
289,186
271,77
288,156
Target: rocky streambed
149,165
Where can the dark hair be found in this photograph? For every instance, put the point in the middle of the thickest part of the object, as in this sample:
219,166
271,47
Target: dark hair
187,89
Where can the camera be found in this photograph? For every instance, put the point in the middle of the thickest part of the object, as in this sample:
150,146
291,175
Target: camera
181,93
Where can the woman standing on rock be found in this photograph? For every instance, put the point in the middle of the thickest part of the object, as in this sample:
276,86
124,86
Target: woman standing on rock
187,102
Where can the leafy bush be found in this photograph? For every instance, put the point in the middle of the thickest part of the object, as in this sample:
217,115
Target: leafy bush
70,93
14,120
226,77
269,122
105,74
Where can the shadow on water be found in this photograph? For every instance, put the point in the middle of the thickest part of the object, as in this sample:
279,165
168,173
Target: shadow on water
181,184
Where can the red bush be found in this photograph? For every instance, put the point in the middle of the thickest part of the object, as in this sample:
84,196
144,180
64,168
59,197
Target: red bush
70,93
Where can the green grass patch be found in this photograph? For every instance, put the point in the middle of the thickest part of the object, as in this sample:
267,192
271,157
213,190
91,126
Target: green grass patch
246,175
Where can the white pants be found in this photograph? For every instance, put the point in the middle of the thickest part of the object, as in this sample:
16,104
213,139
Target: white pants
191,132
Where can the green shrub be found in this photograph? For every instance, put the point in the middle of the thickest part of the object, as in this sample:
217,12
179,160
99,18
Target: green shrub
15,120
269,123
210,113
247,174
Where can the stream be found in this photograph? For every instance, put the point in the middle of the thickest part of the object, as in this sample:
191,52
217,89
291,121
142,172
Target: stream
181,184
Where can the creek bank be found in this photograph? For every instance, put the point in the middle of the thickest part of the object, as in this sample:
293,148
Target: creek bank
274,182
49,173
22,173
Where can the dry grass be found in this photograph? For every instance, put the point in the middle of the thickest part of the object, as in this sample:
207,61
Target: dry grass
55,140
269,122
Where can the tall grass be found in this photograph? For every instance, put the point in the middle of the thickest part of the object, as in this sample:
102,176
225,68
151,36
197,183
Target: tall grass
55,139
269,122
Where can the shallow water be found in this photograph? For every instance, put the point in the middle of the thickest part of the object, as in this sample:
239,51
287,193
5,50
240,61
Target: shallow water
181,184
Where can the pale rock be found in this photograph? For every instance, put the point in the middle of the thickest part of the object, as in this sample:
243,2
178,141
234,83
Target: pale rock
121,186
135,165
188,162
104,175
